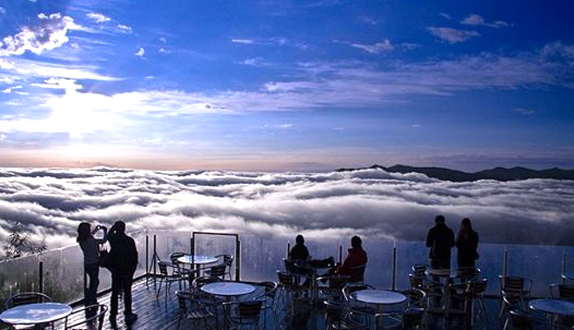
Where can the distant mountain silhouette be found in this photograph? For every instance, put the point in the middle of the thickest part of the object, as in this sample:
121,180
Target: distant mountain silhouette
498,173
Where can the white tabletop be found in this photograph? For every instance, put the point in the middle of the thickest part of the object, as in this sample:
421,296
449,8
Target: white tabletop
35,313
553,306
197,260
228,288
379,297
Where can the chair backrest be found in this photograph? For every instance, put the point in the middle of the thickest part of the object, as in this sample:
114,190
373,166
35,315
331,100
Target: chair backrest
565,291
26,298
512,284
203,280
338,281
285,279
416,281
349,288
163,268
416,297
419,270
176,255
182,299
477,287
357,273
97,314
333,313
218,270
249,309
270,289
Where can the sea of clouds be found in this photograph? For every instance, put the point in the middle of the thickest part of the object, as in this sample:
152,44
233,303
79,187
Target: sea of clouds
50,203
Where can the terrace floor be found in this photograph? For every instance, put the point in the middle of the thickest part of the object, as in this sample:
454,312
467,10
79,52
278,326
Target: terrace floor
156,314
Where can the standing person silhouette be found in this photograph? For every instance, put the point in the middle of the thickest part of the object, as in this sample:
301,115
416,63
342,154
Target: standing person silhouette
90,248
467,244
440,240
123,262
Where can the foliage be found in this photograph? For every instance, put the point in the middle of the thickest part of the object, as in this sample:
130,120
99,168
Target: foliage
20,244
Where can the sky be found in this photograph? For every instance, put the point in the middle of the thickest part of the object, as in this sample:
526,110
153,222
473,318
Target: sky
327,207
286,85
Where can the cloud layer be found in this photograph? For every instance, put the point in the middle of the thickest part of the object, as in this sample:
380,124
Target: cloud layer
51,204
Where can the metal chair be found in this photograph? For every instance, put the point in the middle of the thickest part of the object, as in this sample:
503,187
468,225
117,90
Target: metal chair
217,271
413,316
515,287
269,298
338,318
356,309
475,291
335,286
95,318
244,313
191,309
562,291
167,279
26,298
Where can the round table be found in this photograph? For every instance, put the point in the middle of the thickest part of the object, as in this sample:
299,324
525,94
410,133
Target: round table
228,289
379,297
197,260
37,313
553,306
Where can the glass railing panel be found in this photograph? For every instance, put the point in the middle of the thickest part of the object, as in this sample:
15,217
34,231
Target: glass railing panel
18,275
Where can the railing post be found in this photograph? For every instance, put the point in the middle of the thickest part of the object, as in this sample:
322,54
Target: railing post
394,267
288,249
41,277
238,259
563,266
505,263
154,256
146,254
340,254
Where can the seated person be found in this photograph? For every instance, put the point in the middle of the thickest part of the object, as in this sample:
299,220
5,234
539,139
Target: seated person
356,258
299,252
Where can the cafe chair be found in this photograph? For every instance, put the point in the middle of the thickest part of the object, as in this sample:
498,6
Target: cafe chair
244,313
94,319
167,279
269,298
358,311
474,300
413,315
228,262
26,298
338,318
515,287
217,271
192,309
336,282
562,291
358,273
288,289
179,268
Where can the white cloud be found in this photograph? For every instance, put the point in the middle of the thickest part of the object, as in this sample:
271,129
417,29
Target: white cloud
50,33
163,50
451,35
243,41
2,11
54,83
377,48
98,18
525,111
28,69
445,15
477,20
140,52
2,137
124,28
162,39
369,20
11,89
370,202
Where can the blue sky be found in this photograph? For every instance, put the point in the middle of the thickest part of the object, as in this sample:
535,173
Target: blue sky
286,85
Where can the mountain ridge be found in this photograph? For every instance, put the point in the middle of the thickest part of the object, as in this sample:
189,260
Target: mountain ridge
497,173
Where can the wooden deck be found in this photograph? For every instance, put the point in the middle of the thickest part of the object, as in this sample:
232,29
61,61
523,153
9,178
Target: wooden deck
159,314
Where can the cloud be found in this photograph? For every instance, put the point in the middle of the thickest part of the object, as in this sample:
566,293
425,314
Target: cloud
2,137
11,89
140,52
54,83
451,35
370,202
124,28
243,41
477,20
525,111
98,18
50,33
445,15
2,11
369,20
377,48
24,68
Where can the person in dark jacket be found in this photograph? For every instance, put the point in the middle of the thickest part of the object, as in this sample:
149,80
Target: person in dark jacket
355,262
440,240
299,251
90,248
123,262
467,244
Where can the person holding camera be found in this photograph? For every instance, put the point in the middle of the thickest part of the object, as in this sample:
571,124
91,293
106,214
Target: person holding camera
123,261
90,247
